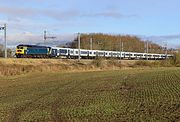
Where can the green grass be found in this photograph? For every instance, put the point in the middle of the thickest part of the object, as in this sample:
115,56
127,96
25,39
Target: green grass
124,95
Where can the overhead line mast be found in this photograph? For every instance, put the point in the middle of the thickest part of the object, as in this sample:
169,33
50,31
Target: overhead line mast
5,39
147,48
47,37
79,46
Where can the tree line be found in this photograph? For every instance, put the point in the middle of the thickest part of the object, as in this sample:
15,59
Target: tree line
116,43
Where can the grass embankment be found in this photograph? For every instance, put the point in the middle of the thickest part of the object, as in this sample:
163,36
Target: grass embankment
155,63
21,66
10,67
125,95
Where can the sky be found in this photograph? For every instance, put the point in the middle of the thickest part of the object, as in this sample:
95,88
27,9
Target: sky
156,20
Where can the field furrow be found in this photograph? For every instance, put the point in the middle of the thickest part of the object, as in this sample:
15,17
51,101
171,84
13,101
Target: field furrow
124,95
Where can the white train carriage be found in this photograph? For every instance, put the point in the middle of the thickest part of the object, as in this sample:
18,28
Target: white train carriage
63,51
92,53
66,52
109,54
149,56
127,55
163,56
106,54
70,53
84,53
74,53
114,54
100,53
139,56
170,56
156,56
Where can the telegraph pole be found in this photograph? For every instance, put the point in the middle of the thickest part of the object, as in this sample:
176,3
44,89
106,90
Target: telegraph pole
122,48
79,43
45,32
91,43
5,41
147,50
145,46
166,51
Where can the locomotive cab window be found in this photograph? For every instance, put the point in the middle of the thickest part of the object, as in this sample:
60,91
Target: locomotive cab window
19,47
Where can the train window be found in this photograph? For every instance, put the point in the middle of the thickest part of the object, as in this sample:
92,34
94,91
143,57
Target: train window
100,53
138,54
54,51
83,52
106,53
76,52
94,53
90,52
63,51
156,55
147,55
19,47
71,52
128,54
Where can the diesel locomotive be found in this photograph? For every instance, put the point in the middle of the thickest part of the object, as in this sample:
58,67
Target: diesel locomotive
33,51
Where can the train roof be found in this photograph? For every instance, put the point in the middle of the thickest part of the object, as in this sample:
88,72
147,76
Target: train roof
27,45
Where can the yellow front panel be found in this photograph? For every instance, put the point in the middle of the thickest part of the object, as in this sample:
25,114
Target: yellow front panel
20,51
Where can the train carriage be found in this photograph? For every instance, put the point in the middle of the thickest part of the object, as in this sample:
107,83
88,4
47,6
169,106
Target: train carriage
84,53
92,53
34,51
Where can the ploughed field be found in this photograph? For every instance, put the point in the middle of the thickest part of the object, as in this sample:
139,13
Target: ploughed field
124,95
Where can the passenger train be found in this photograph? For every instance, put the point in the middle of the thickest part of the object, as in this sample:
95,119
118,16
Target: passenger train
34,51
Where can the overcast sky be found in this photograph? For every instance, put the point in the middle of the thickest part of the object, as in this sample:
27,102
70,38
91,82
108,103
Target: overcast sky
155,19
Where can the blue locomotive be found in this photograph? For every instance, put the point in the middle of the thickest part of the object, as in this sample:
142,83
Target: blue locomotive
33,51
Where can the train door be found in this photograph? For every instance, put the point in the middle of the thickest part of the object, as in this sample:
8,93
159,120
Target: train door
54,53
69,53
88,54
96,53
